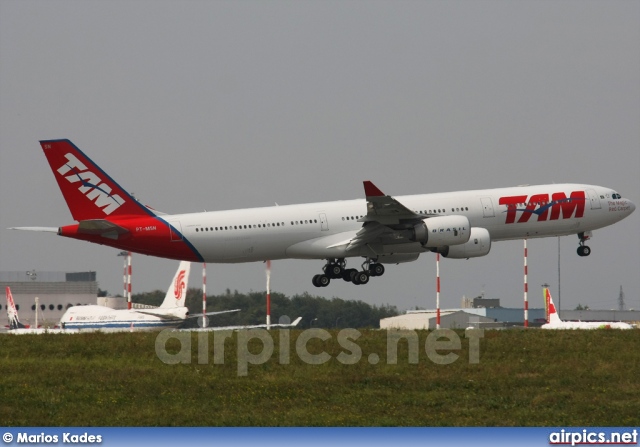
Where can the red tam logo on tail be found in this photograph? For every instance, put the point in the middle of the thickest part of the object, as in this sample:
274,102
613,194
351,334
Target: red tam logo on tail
90,184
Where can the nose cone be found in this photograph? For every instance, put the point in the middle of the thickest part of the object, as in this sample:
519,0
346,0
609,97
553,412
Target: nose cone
632,207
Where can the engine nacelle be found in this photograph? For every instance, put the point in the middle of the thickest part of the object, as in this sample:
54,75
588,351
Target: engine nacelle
479,244
441,231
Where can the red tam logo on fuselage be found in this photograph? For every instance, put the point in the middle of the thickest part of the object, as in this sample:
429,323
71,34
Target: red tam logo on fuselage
91,185
540,204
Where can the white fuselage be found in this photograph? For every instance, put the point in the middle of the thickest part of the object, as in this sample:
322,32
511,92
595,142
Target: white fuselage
316,230
587,325
95,317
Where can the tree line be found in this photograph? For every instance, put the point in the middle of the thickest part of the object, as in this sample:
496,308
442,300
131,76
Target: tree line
315,311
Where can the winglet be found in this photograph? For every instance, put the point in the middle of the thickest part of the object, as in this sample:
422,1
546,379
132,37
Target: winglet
371,190
296,321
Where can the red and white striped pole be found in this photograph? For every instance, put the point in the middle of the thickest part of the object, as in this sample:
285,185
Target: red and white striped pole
129,280
437,290
204,294
268,294
124,275
526,288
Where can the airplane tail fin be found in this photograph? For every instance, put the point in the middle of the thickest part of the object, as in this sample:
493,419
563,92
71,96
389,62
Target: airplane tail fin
12,312
89,191
553,313
177,291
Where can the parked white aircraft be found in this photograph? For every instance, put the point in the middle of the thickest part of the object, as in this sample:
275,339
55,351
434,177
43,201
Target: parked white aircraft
171,313
556,323
381,229
15,327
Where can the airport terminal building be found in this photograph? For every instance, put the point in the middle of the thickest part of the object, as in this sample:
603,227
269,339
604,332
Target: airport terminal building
56,292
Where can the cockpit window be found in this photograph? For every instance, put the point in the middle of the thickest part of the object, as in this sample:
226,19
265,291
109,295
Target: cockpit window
615,195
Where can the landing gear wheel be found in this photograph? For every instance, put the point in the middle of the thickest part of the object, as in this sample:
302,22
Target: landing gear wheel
583,250
376,269
334,271
349,274
320,280
323,280
361,278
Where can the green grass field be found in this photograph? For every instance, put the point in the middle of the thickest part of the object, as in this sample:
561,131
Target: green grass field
523,378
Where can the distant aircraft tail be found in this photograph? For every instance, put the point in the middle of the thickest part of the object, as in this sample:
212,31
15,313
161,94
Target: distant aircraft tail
177,291
89,191
553,313
12,312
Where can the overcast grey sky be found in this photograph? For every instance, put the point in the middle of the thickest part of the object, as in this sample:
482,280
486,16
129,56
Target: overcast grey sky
216,105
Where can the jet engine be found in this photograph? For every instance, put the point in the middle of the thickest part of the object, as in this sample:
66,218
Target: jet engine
479,244
441,231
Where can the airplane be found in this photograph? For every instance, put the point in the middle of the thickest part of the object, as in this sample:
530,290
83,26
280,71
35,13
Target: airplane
379,228
171,313
556,323
15,327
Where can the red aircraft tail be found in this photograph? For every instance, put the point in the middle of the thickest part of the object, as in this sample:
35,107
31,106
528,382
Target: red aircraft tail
89,191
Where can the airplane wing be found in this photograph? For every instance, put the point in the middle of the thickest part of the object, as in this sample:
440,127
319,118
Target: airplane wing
369,234
158,313
214,313
165,313
294,323
385,219
385,209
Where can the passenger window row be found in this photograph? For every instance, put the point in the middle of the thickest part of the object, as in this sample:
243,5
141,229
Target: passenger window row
248,227
311,221
44,307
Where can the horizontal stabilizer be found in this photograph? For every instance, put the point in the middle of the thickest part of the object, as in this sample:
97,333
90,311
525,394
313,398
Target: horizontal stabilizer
102,228
43,229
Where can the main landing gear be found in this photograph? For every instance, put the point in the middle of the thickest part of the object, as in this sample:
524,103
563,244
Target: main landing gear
335,269
583,250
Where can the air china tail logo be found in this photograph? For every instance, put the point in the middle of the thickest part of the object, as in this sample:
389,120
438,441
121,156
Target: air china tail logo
90,184
179,286
545,209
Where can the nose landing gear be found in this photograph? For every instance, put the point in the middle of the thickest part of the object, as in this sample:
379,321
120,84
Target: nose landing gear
584,250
